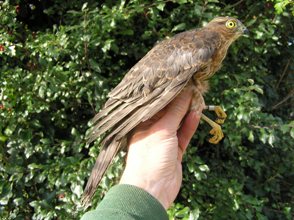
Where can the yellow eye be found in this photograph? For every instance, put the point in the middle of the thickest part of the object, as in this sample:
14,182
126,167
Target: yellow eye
231,24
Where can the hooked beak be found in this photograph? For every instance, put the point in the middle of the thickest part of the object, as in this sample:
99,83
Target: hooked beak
242,29
245,31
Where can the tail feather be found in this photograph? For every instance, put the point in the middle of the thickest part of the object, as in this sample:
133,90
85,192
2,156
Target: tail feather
102,162
111,120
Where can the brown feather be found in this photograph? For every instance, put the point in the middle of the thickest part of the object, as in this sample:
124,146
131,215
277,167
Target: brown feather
169,67
101,164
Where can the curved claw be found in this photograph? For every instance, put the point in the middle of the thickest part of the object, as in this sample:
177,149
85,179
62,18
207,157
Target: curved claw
216,130
220,121
217,133
221,115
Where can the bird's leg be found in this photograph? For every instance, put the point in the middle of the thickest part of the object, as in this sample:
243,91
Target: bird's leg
220,113
216,130
196,105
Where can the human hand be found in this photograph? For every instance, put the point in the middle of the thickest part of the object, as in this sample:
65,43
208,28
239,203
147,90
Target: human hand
157,147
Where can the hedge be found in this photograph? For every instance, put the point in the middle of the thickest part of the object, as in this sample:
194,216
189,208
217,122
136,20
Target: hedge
59,59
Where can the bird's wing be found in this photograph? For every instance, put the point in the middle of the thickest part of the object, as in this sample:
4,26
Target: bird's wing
152,83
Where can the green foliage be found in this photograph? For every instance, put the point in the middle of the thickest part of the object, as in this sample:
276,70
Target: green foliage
280,5
58,62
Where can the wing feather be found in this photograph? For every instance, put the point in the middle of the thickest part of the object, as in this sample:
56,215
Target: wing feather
120,113
101,164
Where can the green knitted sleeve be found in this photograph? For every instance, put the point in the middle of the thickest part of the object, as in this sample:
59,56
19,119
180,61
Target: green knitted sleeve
126,202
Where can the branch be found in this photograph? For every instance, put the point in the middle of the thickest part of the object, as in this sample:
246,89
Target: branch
283,74
291,93
235,4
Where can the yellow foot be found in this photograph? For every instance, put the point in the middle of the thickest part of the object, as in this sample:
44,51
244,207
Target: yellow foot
217,134
216,130
220,113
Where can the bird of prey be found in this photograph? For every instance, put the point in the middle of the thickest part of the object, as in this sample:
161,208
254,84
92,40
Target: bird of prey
186,60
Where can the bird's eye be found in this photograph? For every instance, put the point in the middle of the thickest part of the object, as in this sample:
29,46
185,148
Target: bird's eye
231,24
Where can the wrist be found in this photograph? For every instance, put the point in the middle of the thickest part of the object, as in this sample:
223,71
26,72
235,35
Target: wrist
154,188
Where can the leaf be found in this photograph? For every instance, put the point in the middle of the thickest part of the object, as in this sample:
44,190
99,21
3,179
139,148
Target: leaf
84,7
34,204
2,138
259,90
251,81
194,214
128,32
107,45
292,133
33,166
204,168
251,136
285,128
94,65
271,139
77,189
279,7
10,129
5,192
179,27
161,6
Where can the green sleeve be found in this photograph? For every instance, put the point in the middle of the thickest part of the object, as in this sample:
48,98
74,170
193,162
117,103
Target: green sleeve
127,202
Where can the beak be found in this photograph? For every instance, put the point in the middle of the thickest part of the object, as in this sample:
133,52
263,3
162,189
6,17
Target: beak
242,29
245,31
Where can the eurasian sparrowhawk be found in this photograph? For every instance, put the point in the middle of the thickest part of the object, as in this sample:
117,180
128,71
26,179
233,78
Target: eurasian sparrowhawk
186,60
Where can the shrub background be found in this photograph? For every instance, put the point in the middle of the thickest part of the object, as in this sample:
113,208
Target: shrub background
58,61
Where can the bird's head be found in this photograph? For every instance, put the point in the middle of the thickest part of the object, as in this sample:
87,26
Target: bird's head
230,27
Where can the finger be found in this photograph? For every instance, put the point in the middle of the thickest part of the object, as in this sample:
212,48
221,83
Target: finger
187,130
177,109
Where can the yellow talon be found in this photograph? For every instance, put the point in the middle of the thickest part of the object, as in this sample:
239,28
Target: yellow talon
220,121
220,113
216,130
217,135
